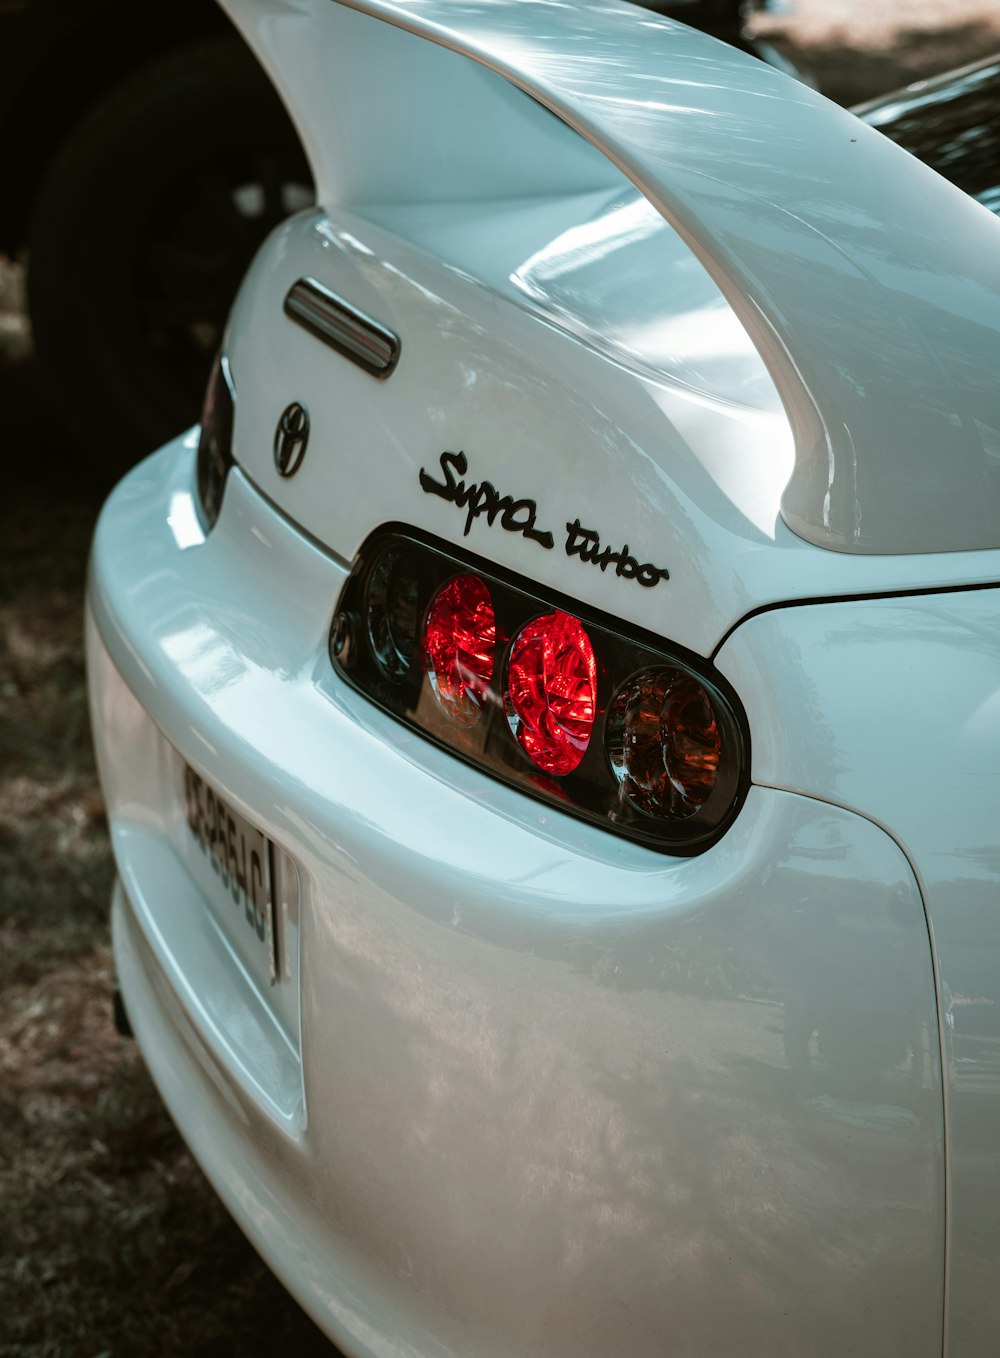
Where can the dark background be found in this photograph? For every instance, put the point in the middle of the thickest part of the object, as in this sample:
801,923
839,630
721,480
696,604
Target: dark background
112,1242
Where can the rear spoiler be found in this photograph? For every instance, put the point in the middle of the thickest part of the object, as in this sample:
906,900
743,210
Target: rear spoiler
870,286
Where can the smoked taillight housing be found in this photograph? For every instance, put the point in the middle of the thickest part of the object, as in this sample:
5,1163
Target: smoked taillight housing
215,441
392,613
604,722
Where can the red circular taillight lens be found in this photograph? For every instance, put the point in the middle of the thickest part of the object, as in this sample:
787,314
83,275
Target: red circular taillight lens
551,691
664,742
459,644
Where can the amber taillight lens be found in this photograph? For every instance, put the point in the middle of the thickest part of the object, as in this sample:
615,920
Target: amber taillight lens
570,707
664,742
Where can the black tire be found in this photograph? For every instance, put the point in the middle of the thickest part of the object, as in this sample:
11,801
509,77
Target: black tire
146,221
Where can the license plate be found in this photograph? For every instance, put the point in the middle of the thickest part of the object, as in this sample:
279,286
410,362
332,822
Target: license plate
242,860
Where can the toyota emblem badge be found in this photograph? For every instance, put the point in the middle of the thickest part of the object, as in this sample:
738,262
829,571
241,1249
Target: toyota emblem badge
291,438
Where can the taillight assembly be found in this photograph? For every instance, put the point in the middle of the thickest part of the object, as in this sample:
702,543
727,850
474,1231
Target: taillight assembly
215,441
569,706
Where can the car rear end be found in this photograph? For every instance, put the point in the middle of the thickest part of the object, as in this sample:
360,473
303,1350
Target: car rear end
511,911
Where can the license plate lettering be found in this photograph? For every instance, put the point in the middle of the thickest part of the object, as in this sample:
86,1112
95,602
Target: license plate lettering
256,894
237,853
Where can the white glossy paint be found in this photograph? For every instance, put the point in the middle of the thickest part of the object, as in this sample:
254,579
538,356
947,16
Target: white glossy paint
556,1090
897,715
542,1091
870,285
690,481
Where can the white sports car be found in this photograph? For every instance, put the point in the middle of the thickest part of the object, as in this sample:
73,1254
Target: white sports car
549,716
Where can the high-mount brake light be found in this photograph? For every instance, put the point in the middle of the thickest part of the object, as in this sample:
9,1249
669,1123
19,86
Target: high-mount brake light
551,691
459,644
572,708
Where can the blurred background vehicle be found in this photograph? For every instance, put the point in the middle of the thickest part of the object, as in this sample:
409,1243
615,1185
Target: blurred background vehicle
150,161
952,123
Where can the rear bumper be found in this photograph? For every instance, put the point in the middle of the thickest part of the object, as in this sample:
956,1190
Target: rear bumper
552,1093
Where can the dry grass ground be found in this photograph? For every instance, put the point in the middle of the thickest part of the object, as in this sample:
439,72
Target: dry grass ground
112,1243
856,49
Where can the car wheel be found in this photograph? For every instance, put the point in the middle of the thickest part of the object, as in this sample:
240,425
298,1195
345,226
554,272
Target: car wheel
146,220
